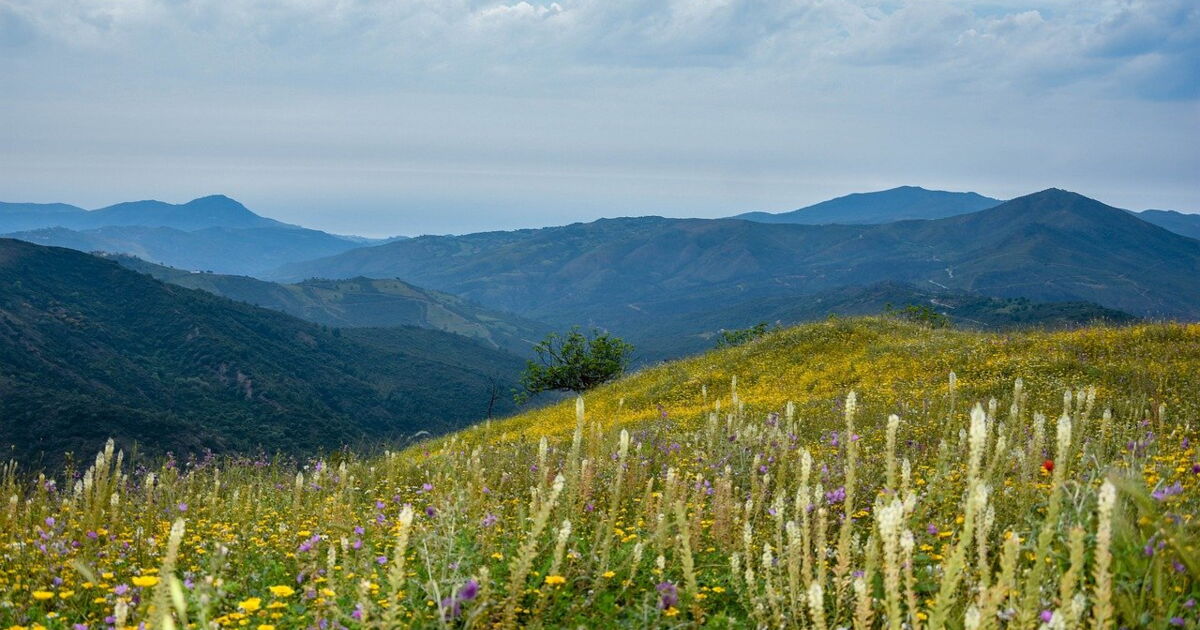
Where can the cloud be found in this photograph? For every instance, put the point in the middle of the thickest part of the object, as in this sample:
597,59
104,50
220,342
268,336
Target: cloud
1084,41
640,105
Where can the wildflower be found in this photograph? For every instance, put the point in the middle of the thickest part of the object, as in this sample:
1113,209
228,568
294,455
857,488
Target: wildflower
836,495
555,580
430,511
1162,494
609,574
281,591
182,507
42,595
250,605
489,520
1048,466
469,590
121,589
1046,615
669,595
145,580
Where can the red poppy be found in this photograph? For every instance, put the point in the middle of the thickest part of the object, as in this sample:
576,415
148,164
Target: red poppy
1048,465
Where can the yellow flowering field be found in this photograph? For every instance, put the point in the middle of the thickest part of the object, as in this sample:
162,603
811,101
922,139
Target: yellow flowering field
845,474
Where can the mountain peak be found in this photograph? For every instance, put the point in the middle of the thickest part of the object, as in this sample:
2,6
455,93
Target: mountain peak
882,206
218,199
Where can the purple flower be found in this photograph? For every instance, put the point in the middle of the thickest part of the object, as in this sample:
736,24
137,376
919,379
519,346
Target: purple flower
428,487
469,590
451,608
357,615
79,626
1162,494
669,594
1046,616
932,529
490,520
182,507
358,529
1177,621
379,505
121,589
430,511
837,495
50,521
381,560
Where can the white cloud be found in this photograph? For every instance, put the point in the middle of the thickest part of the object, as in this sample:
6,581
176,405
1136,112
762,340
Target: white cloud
752,103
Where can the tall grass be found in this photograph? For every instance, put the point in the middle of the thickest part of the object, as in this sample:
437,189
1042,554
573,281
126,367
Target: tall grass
952,510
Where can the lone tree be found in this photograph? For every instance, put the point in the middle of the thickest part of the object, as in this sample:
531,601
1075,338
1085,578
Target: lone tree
574,362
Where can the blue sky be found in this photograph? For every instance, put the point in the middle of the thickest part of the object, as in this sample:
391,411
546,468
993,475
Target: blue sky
430,116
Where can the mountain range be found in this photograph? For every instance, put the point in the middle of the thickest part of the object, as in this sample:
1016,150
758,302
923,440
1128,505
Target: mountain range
1049,246
361,302
91,350
906,203
210,233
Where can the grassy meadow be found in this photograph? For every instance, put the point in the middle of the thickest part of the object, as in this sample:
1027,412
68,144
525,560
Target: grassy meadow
857,473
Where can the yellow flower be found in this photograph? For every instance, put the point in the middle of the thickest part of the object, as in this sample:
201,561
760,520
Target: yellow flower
609,574
41,595
250,605
65,594
671,612
718,589
282,591
265,626
145,580
555,579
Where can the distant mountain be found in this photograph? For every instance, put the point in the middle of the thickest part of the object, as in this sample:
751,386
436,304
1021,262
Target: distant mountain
197,214
249,251
89,350
361,302
210,233
1048,246
1178,222
885,206
697,332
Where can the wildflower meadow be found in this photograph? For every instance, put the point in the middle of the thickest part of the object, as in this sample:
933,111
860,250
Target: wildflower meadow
844,474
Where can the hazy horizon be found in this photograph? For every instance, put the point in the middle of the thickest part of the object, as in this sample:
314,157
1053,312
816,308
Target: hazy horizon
449,117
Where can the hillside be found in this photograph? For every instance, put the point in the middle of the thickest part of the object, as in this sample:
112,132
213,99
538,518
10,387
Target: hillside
90,350
697,332
892,366
625,273
675,499
361,302
885,206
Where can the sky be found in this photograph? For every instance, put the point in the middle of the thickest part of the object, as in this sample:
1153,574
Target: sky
381,117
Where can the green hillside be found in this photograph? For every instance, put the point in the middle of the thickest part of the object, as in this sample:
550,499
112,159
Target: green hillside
90,350
697,332
1050,246
361,302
